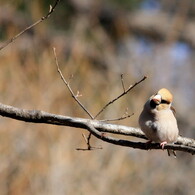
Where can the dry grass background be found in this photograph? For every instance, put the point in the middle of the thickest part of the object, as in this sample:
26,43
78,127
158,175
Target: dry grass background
42,159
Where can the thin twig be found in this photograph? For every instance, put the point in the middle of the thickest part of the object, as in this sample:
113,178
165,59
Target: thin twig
118,97
117,119
92,148
69,88
87,140
122,82
51,10
75,97
84,137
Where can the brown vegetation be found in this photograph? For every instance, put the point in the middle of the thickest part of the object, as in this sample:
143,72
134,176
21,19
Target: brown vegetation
42,159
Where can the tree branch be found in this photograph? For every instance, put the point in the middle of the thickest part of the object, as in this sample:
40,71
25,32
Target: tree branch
126,115
51,10
75,97
121,95
95,127
69,88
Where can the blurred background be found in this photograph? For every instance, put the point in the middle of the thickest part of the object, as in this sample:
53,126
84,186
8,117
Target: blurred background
96,41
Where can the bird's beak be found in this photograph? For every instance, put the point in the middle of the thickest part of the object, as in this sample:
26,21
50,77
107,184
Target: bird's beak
157,99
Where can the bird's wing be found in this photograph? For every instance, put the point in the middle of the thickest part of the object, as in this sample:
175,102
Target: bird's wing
173,110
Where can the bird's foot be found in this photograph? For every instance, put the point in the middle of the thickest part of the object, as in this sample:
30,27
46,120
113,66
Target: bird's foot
162,144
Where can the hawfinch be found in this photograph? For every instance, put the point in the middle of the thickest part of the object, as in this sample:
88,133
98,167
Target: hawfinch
157,119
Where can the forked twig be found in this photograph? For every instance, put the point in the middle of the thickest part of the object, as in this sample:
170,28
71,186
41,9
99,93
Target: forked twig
75,97
51,10
69,88
87,140
118,97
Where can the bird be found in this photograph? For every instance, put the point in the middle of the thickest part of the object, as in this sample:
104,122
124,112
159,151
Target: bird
157,119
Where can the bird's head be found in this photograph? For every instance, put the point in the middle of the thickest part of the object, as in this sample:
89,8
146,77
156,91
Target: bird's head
161,100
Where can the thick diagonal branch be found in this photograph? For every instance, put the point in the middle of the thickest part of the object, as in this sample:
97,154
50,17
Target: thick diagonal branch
95,127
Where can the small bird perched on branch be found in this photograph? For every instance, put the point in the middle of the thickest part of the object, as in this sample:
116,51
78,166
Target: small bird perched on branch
157,119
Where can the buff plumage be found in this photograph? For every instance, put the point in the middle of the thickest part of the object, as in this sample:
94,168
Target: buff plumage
157,120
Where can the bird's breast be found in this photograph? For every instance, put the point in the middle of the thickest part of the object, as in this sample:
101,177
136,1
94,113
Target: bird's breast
159,127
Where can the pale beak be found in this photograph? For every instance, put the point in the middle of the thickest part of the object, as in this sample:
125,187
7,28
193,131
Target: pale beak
157,99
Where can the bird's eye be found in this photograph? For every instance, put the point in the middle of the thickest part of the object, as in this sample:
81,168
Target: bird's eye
165,102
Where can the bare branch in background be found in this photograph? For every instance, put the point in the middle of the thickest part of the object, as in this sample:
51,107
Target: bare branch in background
51,10
122,82
75,97
87,140
121,95
125,116
95,127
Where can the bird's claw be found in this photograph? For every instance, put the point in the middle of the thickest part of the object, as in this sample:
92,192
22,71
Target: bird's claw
162,144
